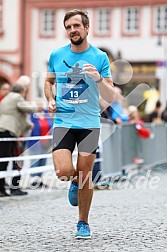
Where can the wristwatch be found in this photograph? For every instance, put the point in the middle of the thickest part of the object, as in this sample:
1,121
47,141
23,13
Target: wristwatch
100,80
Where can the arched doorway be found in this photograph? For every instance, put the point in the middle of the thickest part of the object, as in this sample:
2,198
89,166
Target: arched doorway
109,53
2,80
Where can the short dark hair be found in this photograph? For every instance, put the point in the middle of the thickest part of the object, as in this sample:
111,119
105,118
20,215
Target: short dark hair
3,83
71,13
17,88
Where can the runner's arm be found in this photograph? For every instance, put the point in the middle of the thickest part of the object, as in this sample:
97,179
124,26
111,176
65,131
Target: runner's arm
49,93
106,90
105,85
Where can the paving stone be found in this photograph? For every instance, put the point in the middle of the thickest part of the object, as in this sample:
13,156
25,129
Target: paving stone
121,220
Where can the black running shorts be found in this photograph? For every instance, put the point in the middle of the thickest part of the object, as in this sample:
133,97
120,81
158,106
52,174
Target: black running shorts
86,139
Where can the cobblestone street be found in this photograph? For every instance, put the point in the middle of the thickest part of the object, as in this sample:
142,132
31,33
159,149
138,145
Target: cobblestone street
120,219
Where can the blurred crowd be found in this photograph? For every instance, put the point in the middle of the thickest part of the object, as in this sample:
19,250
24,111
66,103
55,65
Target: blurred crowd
122,112
20,117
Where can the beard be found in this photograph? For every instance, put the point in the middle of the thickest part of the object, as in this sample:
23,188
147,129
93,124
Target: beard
77,42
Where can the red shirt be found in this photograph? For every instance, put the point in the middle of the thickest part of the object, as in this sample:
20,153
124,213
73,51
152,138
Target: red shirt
1,97
44,127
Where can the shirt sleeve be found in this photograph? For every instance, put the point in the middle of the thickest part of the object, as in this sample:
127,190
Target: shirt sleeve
106,69
51,64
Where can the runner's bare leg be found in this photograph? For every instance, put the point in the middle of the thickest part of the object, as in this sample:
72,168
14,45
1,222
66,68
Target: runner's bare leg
63,164
85,194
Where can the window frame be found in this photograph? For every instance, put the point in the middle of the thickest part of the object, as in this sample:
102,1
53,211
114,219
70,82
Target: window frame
154,20
43,33
135,32
98,33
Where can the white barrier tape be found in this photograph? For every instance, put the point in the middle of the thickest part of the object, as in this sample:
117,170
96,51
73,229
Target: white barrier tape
31,170
20,158
4,139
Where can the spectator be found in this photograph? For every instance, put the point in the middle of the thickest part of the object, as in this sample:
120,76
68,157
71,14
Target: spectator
105,109
156,115
4,90
13,123
152,96
119,112
25,81
134,116
42,126
164,114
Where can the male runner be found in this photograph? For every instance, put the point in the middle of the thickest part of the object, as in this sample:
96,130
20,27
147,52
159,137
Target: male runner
81,73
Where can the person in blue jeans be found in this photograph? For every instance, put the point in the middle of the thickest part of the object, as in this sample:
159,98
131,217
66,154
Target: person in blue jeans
118,108
81,73
42,126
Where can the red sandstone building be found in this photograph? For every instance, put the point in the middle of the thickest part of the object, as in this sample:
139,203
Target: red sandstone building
132,30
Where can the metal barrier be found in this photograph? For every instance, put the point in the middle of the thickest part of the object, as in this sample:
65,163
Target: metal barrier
119,146
111,150
154,149
129,144
124,145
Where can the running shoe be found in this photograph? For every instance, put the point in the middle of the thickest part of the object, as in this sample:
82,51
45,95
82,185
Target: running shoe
83,230
73,194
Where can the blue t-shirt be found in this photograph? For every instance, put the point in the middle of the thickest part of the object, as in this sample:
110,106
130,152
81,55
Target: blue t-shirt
77,95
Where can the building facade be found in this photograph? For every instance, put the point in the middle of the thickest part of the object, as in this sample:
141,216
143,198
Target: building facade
134,31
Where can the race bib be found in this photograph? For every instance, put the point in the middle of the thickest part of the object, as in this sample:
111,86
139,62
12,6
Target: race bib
75,93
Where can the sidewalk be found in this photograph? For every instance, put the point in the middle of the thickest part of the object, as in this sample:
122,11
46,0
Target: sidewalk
123,220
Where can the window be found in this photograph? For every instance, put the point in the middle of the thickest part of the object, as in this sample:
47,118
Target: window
102,21
160,19
48,22
1,13
131,21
